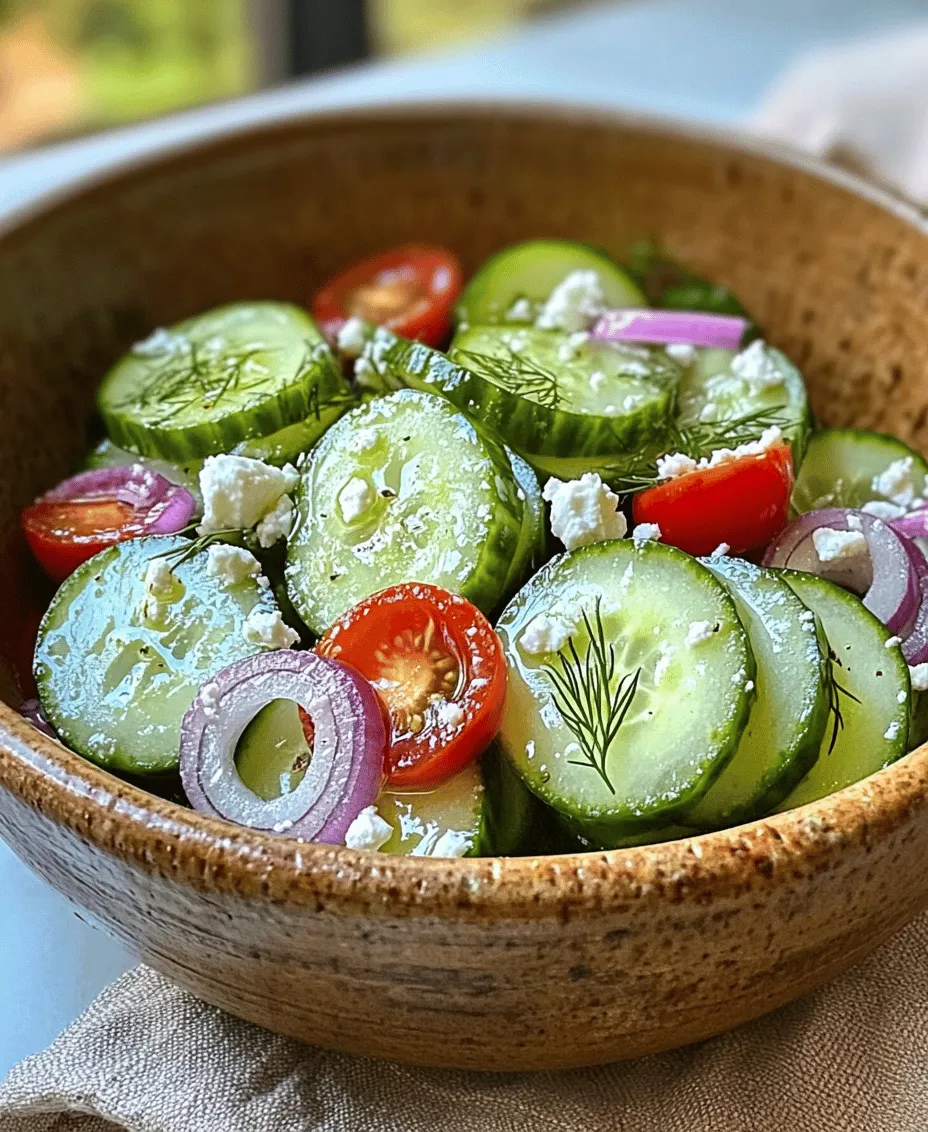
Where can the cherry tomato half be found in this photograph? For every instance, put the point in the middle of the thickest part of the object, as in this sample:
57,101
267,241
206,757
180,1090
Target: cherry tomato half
744,503
410,289
439,667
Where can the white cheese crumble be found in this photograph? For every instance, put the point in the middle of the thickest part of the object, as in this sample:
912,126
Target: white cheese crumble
919,675
161,589
584,511
448,714
676,464
646,532
831,545
681,352
546,633
277,523
892,732
352,336
574,304
884,510
895,482
209,698
269,630
756,366
679,464
597,380
520,311
161,342
238,492
231,564
368,830
698,632
452,843
892,642
721,551
355,498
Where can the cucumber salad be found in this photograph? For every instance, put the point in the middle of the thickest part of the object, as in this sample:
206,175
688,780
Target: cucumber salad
552,559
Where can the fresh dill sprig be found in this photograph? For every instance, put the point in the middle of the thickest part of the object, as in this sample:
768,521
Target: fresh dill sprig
698,440
181,554
591,702
516,374
835,692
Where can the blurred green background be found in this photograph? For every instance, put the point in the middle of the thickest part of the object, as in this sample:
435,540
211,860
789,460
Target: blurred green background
69,66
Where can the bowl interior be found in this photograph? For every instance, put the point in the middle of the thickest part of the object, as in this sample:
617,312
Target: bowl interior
838,278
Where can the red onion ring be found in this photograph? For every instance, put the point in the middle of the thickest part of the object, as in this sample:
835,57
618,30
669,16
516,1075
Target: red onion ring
915,645
346,769
162,507
690,328
888,582
913,525
31,710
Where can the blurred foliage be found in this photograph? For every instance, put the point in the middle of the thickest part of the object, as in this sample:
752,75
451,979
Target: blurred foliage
416,25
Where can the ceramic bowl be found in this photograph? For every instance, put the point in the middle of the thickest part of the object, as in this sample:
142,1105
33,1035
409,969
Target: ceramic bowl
500,964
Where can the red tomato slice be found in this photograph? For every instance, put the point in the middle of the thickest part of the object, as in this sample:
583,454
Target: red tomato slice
744,503
439,667
410,289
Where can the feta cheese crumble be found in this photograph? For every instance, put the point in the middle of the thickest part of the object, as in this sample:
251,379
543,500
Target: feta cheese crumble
546,633
452,843
231,564
721,551
356,498
448,714
597,380
681,352
269,630
892,732
238,492
676,464
884,510
892,642
162,588
584,511
520,311
574,304
646,532
919,676
368,830
698,632
831,545
756,366
895,482
277,523
209,698
352,336
679,464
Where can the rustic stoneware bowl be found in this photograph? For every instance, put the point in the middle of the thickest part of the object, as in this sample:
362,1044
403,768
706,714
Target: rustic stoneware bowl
501,964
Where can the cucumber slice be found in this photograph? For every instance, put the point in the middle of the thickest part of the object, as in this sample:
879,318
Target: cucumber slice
438,503
234,373
874,702
108,455
547,396
420,819
287,444
593,836
533,537
508,811
530,272
115,684
686,713
784,734
711,395
272,755
842,463
666,284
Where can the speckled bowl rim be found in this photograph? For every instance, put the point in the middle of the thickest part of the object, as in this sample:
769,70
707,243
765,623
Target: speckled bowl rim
209,855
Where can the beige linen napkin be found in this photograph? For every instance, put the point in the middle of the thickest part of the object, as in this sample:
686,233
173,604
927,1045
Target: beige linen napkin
150,1058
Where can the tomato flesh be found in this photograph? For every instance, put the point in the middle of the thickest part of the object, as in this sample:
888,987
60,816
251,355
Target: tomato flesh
410,289
743,503
64,533
439,669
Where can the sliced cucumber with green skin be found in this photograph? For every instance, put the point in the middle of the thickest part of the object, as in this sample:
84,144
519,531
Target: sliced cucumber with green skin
592,836
508,811
872,692
530,272
108,455
434,501
240,371
533,536
685,714
114,681
842,463
421,818
784,734
288,444
272,755
550,397
666,284
711,394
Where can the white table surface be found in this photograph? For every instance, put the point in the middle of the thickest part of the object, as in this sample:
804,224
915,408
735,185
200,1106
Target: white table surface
702,59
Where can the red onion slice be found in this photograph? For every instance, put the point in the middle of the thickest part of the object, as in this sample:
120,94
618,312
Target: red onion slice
346,769
887,580
690,328
915,645
161,507
32,711
913,525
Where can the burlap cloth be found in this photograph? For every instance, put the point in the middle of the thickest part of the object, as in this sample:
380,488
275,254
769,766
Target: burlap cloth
849,1058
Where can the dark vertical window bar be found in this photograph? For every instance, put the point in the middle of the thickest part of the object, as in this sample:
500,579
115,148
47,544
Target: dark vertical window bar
327,33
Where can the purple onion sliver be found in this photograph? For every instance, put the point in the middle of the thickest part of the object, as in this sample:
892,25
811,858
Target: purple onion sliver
346,769
164,508
31,710
915,645
688,328
913,525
